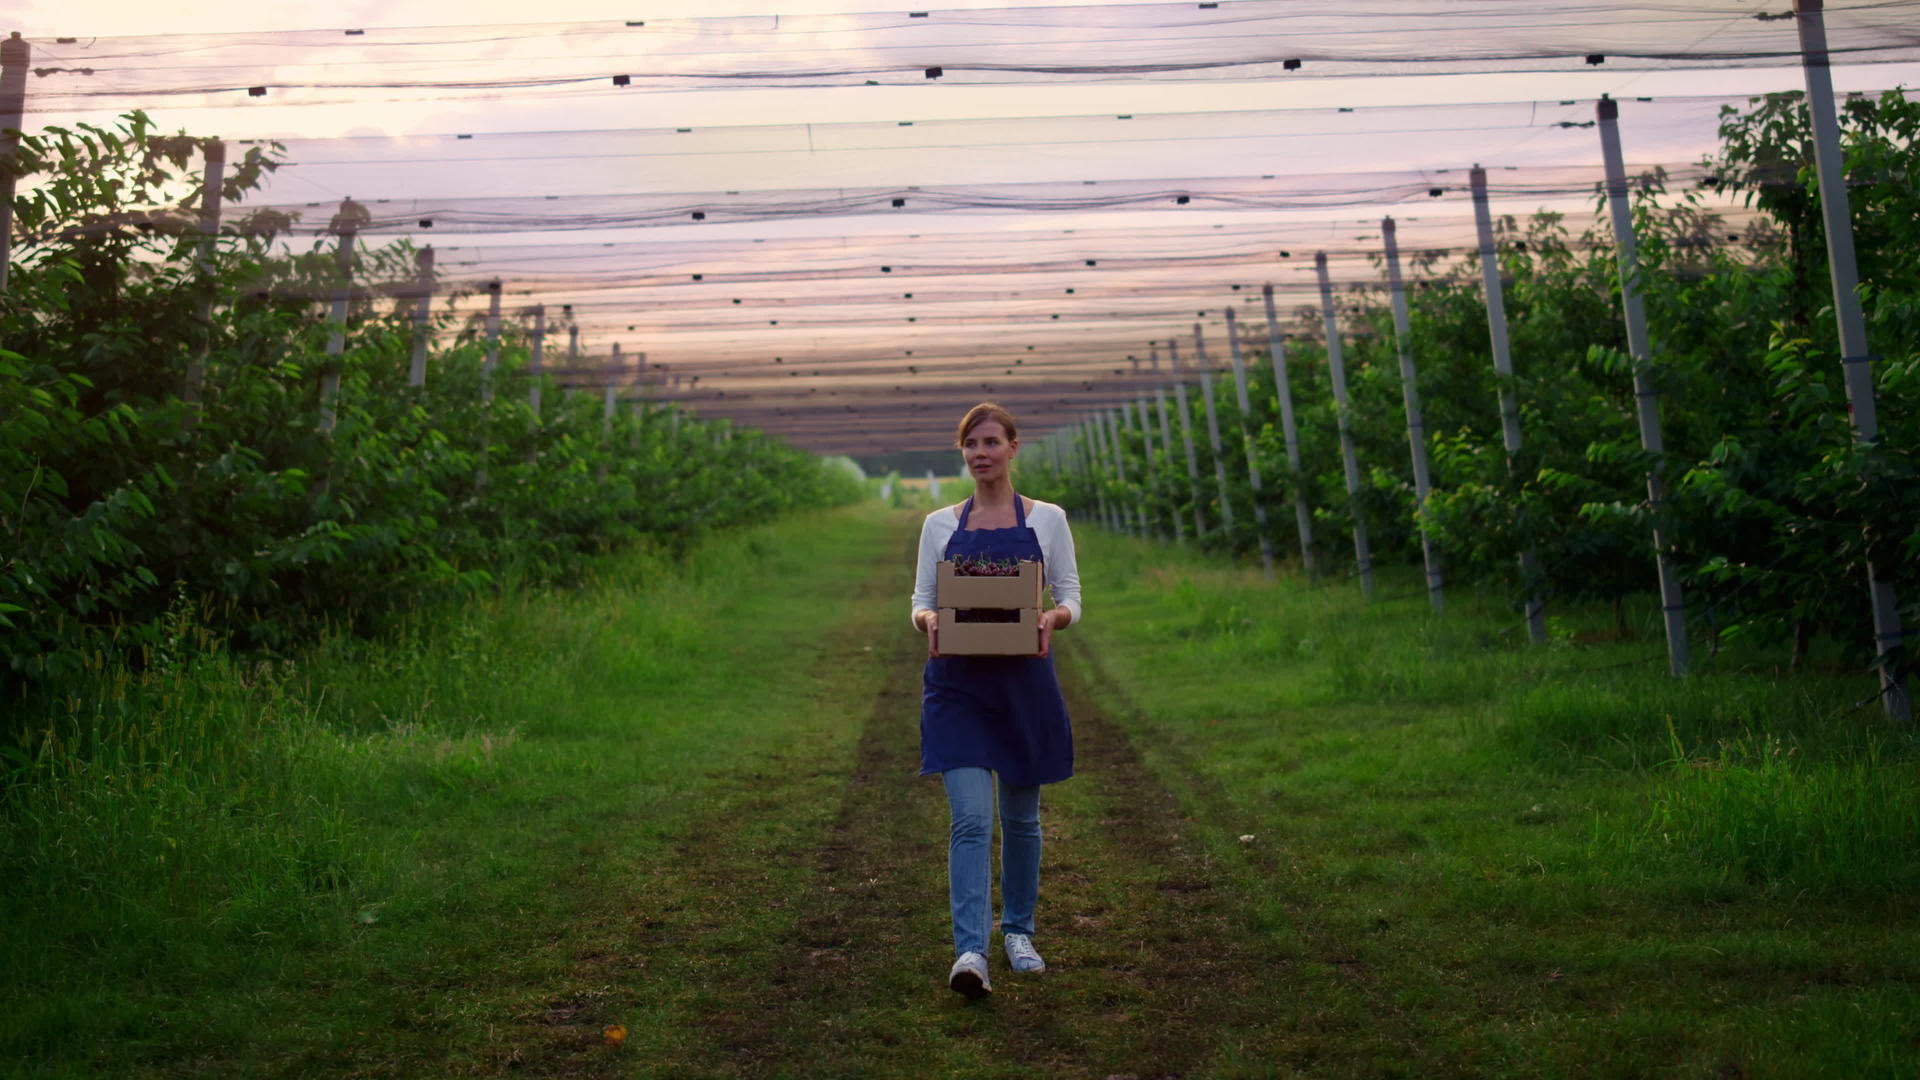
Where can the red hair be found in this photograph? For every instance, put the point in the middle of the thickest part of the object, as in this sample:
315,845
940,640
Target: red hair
980,414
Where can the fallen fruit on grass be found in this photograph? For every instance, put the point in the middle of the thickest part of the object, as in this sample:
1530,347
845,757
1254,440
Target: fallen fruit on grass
614,1034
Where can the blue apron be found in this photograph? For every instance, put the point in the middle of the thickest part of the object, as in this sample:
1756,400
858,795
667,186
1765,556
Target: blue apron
1003,713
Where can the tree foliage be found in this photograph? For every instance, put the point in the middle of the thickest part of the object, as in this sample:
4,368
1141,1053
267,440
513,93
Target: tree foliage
118,494
1772,510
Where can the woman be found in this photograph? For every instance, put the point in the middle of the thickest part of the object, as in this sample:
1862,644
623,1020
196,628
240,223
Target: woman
988,717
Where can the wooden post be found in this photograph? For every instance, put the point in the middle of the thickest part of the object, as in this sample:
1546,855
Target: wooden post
1509,401
1302,514
1337,370
16,55
1410,397
1672,604
1246,441
422,313
1186,436
1856,363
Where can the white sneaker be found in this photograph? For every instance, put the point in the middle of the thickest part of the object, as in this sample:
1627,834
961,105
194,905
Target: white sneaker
969,976
1021,954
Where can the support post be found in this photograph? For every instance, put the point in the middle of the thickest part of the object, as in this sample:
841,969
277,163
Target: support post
1337,370
1136,521
1509,401
16,55
492,361
422,314
1097,455
610,376
1186,436
1213,431
536,359
607,406
1410,397
1147,516
1672,604
337,320
1246,441
1856,363
1303,515
487,366
1171,484
212,182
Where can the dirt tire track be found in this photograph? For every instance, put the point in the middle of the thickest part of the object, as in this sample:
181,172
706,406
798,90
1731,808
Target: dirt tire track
819,941
1153,966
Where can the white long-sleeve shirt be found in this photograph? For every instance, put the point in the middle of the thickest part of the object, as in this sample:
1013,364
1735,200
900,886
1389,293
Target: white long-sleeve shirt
1047,521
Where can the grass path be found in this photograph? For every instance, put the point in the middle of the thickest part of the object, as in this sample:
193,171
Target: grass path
1306,838
801,928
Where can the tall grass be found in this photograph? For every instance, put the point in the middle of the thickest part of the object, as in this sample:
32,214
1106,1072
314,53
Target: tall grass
202,820
1753,774
1759,809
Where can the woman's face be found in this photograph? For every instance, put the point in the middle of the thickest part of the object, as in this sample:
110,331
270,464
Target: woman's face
987,450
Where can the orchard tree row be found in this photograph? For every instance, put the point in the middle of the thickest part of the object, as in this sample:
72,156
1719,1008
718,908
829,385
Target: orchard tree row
1771,511
174,429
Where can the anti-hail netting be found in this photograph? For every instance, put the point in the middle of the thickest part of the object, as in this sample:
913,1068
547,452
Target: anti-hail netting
853,286
1232,39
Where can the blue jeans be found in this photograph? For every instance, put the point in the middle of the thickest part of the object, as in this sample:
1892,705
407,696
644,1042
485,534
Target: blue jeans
970,857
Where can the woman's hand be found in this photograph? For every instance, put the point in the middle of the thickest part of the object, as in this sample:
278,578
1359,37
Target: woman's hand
930,626
1049,621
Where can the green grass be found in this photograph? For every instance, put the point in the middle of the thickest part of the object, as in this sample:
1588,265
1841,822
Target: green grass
249,867
1549,859
1310,837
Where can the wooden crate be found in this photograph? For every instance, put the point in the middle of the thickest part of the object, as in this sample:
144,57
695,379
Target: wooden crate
957,638
950,590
